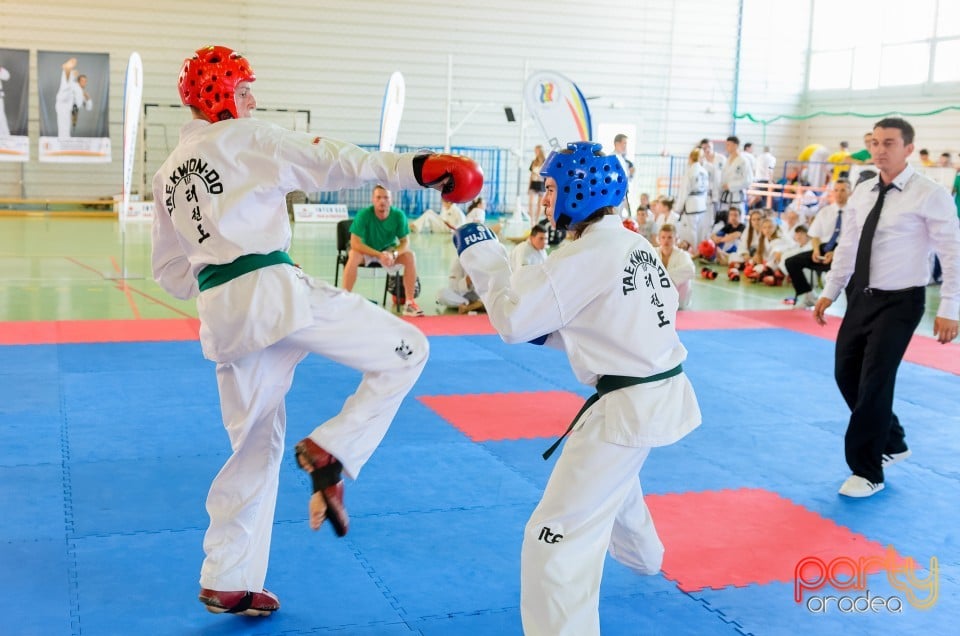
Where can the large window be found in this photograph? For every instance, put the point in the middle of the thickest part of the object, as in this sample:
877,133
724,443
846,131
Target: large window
869,44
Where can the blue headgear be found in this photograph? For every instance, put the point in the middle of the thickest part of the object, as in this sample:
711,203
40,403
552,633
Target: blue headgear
586,181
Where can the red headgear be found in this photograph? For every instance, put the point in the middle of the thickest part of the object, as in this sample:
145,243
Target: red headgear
209,79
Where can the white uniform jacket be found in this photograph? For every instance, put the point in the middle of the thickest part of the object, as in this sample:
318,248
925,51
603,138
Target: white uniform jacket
216,206
524,254
694,190
737,176
607,301
681,267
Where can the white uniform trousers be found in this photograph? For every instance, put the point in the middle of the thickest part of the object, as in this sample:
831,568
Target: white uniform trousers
694,228
347,329
593,502
685,290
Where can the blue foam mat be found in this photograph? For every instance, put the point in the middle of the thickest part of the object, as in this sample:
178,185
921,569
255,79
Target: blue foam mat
108,450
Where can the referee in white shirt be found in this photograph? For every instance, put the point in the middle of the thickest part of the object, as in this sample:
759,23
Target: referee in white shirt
883,261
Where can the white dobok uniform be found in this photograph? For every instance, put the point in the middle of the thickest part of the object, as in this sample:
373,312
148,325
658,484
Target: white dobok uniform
694,224
526,254
69,94
220,196
458,291
450,217
606,300
4,127
737,175
682,271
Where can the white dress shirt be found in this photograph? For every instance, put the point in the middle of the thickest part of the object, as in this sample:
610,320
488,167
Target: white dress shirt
826,220
765,165
918,217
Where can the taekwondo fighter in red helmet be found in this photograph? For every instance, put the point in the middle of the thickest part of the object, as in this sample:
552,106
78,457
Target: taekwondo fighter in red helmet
607,301
221,233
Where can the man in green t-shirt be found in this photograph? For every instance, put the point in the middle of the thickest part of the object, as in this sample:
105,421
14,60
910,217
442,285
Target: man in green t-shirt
863,156
379,234
956,192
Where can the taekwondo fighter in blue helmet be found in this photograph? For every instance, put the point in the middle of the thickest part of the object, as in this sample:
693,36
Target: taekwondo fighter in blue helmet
606,300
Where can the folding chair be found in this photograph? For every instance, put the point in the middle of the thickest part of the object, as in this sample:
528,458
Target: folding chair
343,250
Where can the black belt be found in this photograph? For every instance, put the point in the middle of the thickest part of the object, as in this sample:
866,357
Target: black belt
873,291
606,384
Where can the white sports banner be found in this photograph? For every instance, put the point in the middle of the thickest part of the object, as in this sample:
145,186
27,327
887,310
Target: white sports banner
559,108
392,111
319,212
132,98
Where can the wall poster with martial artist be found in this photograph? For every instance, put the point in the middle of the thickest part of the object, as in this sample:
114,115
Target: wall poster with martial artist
14,100
74,90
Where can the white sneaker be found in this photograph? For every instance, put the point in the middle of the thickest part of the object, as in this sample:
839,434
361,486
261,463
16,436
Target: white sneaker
893,458
857,486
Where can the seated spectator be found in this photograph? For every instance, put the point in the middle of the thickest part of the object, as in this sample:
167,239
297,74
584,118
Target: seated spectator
726,236
379,234
477,211
644,205
680,267
805,206
532,251
764,265
790,184
662,208
801,243
459,292
824,235
789,221
450,218
749,241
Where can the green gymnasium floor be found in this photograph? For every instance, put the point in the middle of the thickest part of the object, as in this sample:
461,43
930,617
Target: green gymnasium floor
56,268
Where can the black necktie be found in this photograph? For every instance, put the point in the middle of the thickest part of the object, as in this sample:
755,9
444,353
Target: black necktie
861,270
832,243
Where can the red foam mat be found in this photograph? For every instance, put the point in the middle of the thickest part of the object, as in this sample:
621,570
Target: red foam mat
923,350
477,325
723,538
499,416
91,331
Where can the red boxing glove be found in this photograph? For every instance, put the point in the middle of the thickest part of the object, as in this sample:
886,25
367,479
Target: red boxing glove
458,178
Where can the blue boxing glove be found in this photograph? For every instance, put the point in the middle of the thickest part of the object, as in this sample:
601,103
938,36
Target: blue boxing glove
471,234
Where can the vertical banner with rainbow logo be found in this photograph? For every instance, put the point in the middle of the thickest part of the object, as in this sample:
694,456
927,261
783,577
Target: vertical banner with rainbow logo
559,107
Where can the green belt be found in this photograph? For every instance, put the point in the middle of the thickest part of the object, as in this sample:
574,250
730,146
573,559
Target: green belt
213,275
606,384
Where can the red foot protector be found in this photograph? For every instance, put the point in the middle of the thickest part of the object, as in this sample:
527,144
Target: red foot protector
498,416
749,536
